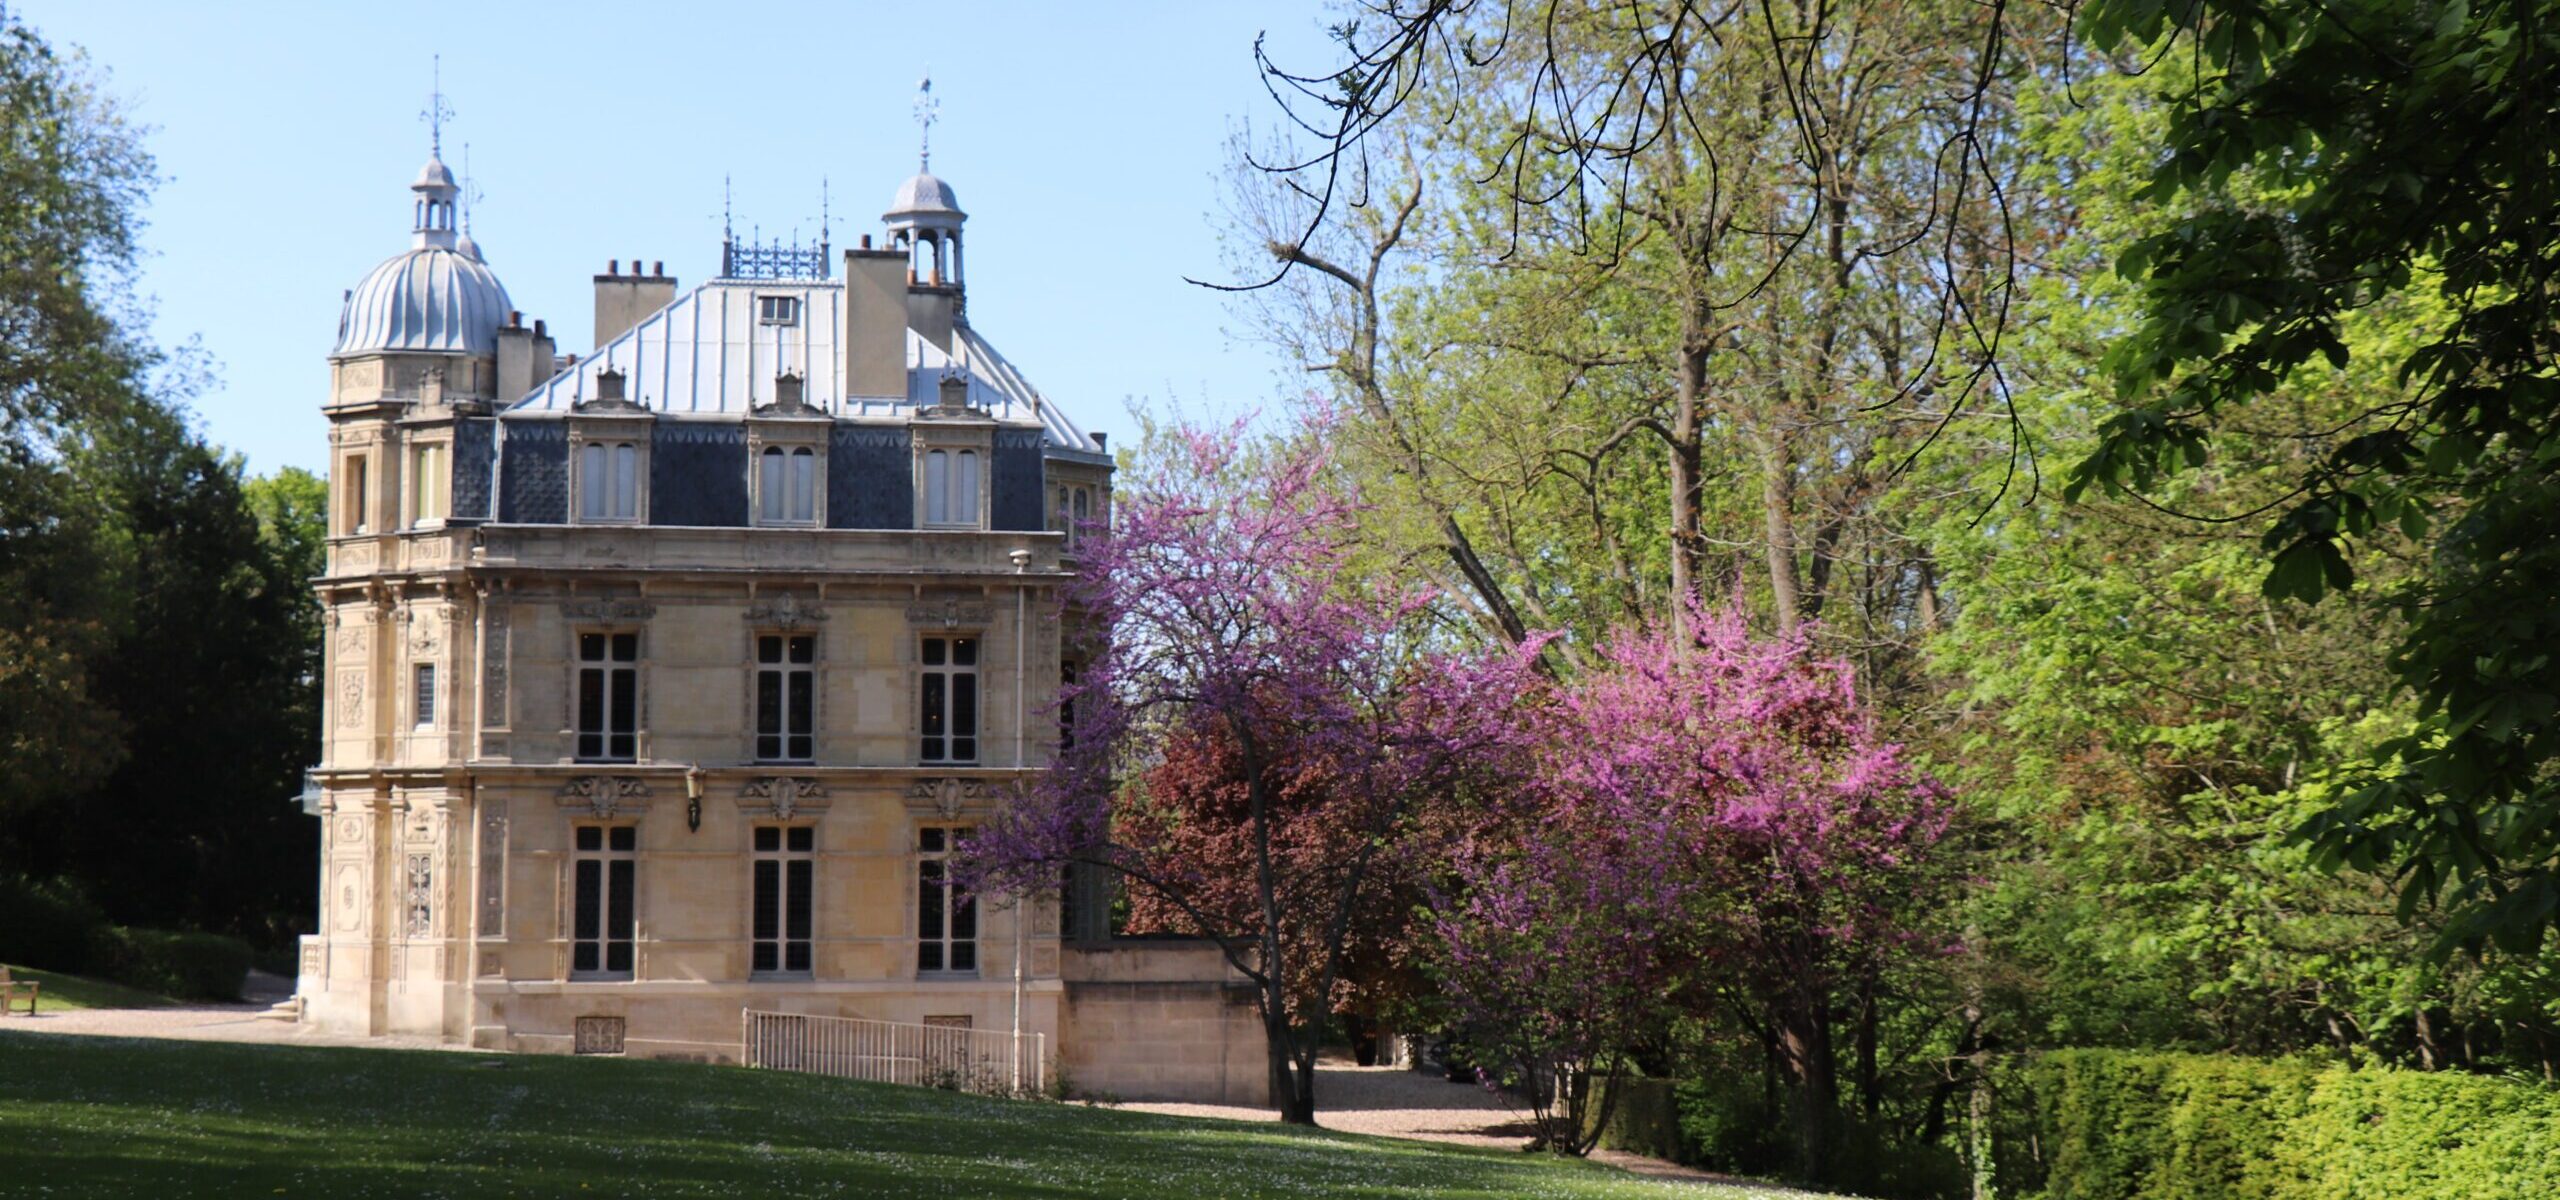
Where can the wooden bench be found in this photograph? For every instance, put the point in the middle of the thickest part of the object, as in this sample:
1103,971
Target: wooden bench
11,989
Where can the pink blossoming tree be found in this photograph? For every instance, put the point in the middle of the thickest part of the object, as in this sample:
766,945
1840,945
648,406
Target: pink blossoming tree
1714,815
1224,599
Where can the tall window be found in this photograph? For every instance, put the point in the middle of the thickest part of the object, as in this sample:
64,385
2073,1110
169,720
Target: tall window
609,481
353,519
785,873
946,917
951,487
787,485
608,697
949,700
427,485
425,690
1066,703
786,697
600,928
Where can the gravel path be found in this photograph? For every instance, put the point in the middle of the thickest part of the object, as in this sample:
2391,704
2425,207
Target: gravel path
1394,1102
242,1022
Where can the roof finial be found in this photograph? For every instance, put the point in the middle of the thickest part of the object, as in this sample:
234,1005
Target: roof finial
926,108
437,113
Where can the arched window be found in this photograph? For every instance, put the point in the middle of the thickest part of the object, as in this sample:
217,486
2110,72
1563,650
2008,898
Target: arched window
769,471
937,492
608,481
964,488
804,484
626,481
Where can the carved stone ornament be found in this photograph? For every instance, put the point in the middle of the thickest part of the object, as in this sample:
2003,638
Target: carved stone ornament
945,798
608,609
493,870
421,896
948,612
606,796
782,796
426,634
786,611
350,699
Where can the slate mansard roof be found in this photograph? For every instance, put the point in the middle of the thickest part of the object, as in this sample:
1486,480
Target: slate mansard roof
709,354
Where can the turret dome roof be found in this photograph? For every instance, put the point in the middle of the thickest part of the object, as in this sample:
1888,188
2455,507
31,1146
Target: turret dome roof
429,299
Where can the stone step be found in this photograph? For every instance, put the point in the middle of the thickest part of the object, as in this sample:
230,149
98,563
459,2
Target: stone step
287,1009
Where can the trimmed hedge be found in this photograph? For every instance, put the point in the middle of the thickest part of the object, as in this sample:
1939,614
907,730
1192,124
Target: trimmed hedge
54,927
193,966
2123,1125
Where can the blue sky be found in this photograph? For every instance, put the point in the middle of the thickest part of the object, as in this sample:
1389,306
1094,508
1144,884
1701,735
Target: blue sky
1086,141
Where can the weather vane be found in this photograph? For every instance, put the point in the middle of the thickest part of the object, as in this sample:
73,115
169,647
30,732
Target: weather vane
471,193
437,112
926,108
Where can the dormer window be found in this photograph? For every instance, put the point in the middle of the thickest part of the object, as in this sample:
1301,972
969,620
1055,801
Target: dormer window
609,481
787,486
777,310
951,487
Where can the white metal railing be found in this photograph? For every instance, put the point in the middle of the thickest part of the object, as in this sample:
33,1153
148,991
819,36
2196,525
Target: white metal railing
989,1062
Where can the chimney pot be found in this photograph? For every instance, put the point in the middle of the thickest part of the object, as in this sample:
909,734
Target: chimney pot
539,331
866,241
613,266
1102,441
658,267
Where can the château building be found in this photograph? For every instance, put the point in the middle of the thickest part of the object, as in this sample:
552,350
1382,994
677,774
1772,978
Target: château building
662,678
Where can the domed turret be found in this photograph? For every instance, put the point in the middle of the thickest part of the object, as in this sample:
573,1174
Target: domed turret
438,297
925,218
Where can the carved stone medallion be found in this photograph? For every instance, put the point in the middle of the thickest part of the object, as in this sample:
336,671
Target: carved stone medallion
606,796
945,798
782,797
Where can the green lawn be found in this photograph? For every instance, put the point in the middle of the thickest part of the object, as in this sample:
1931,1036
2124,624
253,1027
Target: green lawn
126,1117
62,992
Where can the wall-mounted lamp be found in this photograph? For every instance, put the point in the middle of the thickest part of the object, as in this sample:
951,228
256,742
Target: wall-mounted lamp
693,799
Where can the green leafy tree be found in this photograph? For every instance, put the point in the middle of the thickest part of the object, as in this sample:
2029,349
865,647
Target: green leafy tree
2330,156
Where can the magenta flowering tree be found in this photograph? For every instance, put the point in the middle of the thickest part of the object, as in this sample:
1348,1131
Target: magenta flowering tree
1223,600
1714,815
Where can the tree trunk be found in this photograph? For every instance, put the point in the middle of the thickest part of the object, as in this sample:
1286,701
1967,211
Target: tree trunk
1293,1090
1777,506
1687,483
1804,1037
1868,1085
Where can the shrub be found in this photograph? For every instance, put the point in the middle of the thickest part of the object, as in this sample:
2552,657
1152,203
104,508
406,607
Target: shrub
196,966
45,924
2118,1125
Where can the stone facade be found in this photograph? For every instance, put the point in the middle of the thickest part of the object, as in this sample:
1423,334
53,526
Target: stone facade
600,772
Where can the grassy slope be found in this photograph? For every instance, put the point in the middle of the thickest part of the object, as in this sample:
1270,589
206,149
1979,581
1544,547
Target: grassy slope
63,992
124,1117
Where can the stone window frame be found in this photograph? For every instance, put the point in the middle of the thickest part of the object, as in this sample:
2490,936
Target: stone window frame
757,631
787,435
782,854
610,431
439,440
976,437
425,695
609,629
953,828
354,487
917,636
605,854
